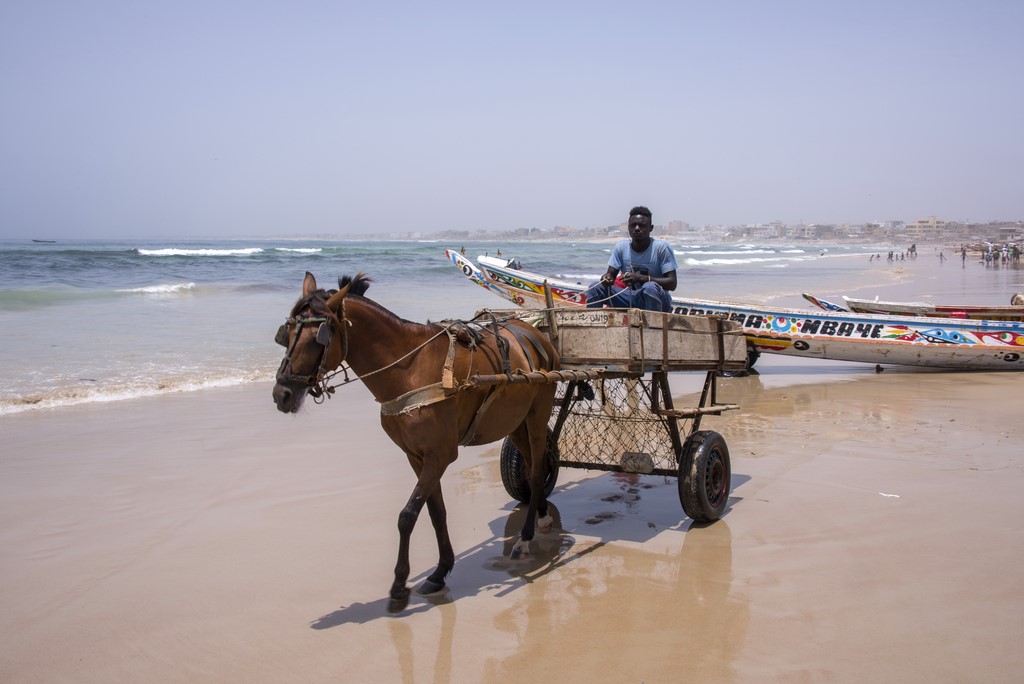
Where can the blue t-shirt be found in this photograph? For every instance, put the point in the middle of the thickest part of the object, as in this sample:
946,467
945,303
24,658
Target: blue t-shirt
657,260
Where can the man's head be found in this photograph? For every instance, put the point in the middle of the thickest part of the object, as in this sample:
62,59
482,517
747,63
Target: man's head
640,225
640,211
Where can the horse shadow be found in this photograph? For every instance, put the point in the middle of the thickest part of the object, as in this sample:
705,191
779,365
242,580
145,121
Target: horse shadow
590,513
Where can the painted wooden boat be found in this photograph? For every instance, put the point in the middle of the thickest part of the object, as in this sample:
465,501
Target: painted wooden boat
833,335
988,313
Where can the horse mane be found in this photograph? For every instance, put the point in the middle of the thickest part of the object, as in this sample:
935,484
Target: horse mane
359,283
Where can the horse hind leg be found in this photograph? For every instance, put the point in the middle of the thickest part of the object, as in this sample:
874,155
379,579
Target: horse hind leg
446,555
537,517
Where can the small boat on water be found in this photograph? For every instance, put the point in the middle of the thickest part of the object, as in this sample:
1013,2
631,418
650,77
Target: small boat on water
48,242
834,335
1010,312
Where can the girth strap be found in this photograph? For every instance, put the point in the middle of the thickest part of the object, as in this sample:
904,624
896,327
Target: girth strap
432,394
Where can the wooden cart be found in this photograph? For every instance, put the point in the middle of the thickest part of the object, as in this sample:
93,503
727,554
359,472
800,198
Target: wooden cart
614,411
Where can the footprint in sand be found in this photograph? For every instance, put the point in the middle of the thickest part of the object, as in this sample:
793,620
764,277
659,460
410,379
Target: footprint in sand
601,517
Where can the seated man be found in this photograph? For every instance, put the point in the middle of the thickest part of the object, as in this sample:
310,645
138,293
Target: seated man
648,270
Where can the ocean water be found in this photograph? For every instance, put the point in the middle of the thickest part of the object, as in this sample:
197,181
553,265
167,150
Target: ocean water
88,321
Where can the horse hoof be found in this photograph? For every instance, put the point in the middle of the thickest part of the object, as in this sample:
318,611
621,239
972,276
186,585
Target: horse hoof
545,524
430,587
398,602
521,548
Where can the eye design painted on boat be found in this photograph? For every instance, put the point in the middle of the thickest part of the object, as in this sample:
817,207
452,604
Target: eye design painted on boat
948,336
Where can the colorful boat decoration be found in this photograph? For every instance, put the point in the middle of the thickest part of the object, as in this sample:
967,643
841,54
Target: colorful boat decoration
987,313
833,335
824,303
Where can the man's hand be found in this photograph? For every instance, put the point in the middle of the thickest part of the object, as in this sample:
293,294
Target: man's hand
635,278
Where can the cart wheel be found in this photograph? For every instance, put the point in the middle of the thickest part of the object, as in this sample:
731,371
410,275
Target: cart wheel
513,470
752,356
704,476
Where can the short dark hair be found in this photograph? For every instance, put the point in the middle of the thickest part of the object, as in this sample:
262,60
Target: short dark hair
642,211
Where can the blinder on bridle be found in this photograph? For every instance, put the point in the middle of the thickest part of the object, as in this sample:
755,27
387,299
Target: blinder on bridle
323,333
316,381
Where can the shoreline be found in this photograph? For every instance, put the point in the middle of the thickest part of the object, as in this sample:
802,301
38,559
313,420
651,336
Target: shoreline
925,279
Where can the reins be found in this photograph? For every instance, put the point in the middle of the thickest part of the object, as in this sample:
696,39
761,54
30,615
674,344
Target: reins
317,382
343,368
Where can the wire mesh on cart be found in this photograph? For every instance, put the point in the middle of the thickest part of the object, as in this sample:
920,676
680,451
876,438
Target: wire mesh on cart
609,425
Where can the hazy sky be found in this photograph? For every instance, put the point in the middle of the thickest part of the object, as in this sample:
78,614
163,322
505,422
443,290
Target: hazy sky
249,118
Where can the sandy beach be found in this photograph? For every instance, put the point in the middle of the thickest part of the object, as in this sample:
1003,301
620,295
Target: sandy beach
873,534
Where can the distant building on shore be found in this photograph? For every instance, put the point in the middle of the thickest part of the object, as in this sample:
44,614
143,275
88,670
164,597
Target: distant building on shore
931,229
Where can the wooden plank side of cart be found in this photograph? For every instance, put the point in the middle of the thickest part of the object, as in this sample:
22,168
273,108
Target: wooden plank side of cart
638,341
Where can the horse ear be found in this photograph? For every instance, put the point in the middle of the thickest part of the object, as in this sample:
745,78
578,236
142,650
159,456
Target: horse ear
308,285
335,301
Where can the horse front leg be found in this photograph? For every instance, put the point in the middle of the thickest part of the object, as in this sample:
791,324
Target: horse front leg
446,555
406,522
429,469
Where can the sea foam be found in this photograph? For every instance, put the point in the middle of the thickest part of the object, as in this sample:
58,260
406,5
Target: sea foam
176,251
161,289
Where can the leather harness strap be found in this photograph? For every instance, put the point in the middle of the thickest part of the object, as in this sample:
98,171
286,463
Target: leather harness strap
531,335
448,372
416,399
441,391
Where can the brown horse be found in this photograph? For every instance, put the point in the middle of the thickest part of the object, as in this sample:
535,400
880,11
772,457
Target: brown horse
417,372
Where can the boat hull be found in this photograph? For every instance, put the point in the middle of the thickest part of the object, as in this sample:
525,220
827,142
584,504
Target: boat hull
988,313
831,335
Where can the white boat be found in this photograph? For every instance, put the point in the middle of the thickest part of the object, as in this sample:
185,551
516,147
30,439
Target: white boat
987,313
833,335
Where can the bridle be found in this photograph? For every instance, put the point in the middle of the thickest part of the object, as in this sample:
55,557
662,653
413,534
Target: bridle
315,382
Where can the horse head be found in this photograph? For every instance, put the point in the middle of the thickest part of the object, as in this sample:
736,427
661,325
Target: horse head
315,338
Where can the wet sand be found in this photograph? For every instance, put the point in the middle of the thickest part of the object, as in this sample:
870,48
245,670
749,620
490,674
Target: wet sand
874,534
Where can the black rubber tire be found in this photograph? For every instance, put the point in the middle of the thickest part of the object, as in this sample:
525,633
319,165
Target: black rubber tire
752,356
513,470
705,475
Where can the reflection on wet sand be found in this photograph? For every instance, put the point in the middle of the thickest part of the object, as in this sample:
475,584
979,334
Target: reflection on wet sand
865,400
665,612
619,574
403,640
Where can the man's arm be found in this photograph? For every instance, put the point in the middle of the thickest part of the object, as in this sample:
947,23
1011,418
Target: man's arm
609,276
668,281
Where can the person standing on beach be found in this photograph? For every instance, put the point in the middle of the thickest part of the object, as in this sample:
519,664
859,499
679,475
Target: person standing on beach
648,268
